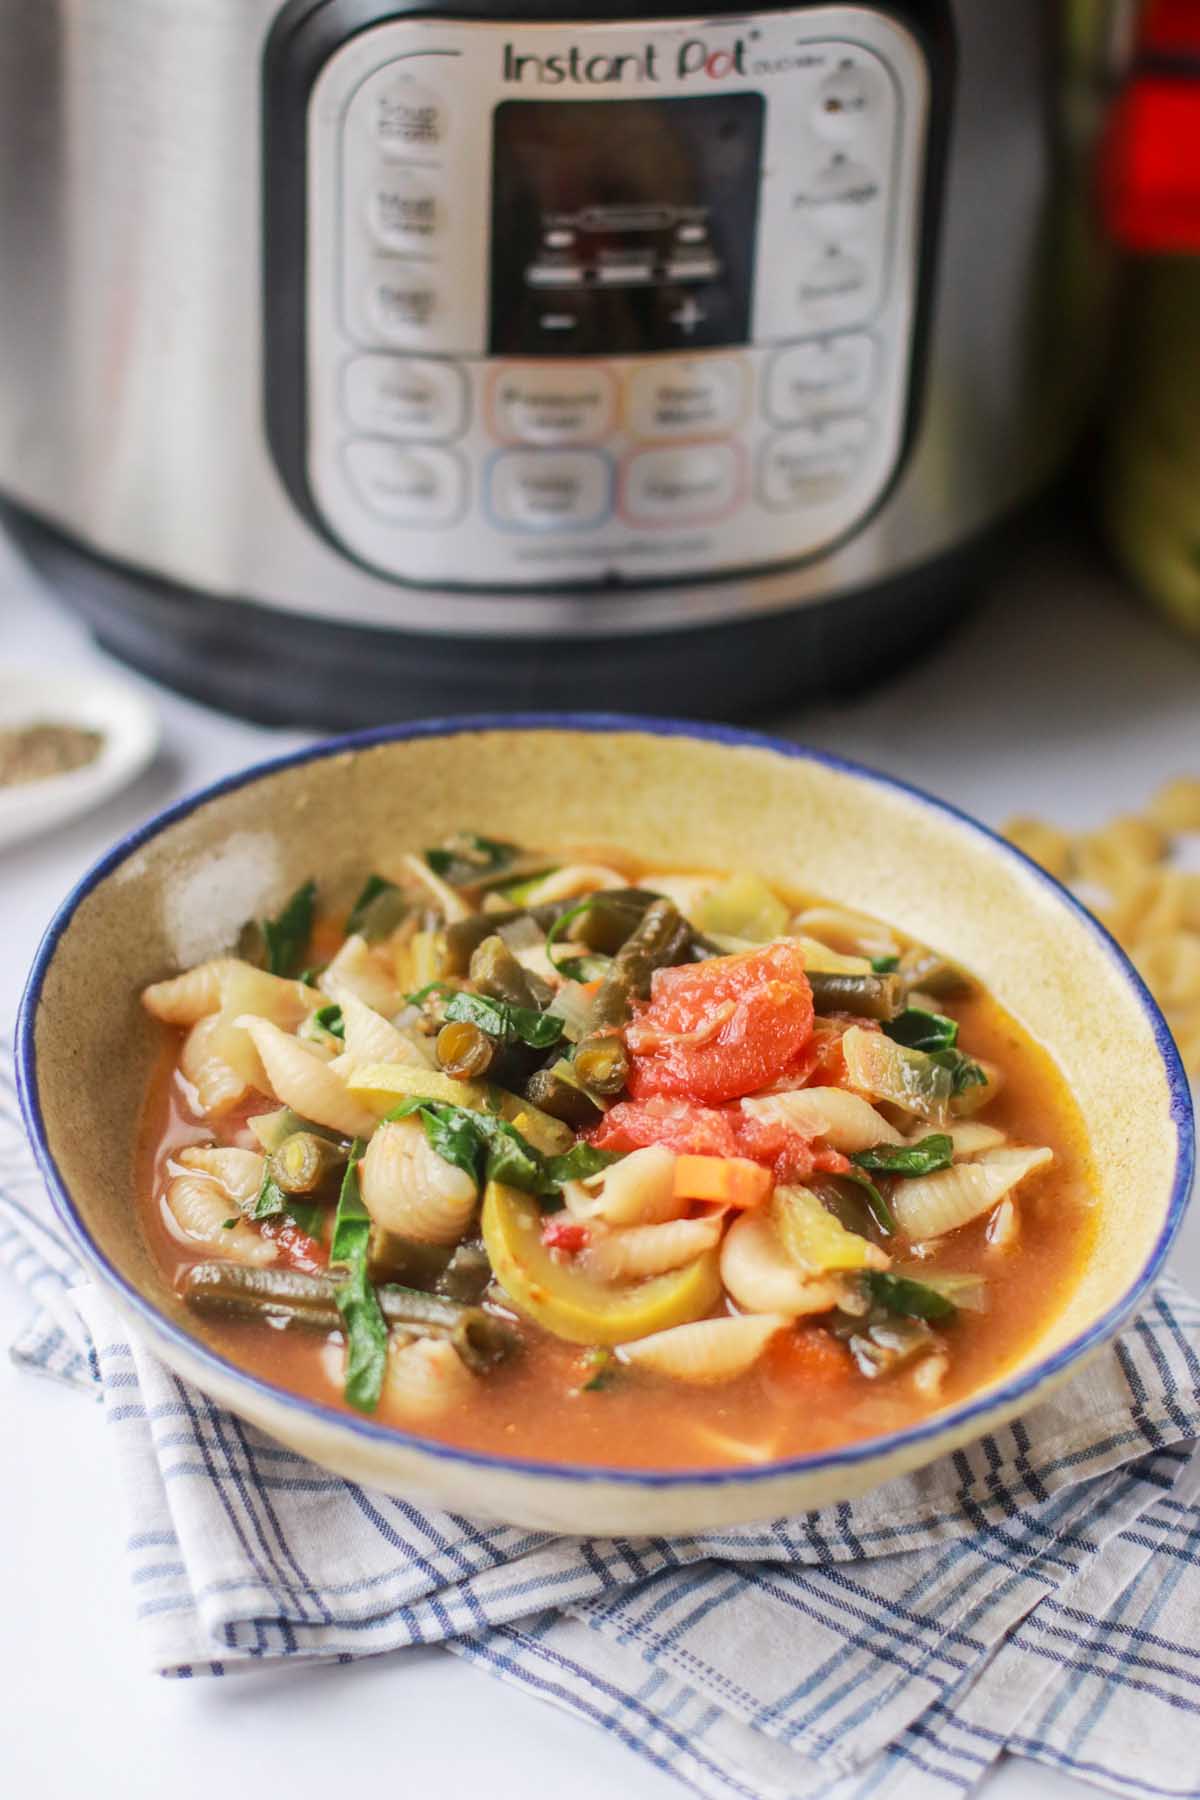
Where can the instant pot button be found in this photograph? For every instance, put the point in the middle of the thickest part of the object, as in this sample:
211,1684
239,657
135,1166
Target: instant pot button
572,404
834,288
839,198
845,99
686,398
402,303
403,210
407,116
823,376
681,487
405,397
407,486
550,490
810,467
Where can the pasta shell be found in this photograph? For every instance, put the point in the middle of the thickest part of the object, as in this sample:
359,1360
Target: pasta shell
710,1350
370,1037
573,880
761,1278
927,1206
426,1379
643,1250
853,933
408,1188
305,1083
238,1172
451,905
365,975
639,1190
217,1083
245,989
970,1138
844,1120
187,998
199,1208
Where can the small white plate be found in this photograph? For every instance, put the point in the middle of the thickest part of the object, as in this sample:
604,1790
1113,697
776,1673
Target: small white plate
127,723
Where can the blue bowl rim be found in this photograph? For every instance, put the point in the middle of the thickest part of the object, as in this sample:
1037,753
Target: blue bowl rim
1005,1396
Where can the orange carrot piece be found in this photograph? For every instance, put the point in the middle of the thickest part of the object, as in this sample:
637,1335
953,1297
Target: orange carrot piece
729,1180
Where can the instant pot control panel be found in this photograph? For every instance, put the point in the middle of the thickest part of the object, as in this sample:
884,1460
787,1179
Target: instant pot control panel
609,302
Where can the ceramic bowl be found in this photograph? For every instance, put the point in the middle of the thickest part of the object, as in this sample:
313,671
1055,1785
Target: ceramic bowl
178,890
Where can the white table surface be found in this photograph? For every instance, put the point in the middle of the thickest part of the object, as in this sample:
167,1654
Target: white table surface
1056,696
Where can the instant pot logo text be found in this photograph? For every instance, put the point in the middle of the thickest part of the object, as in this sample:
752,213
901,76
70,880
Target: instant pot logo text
695,59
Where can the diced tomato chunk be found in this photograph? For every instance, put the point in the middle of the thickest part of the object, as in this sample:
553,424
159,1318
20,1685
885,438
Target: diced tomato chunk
713,1131
715,1030
565,1234
297,1250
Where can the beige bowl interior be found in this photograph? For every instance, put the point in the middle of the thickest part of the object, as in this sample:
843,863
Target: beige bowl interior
681,800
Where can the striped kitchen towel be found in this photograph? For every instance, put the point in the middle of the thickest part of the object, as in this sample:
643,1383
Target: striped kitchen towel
1037,1593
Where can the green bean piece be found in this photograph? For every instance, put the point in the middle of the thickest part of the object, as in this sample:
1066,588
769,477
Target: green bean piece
392,1256
557,1091
467,1276
305,1163
496,972
465,1051
381,915
613,916
934,975
463,936
866,996
661,937
285,1296
602,1063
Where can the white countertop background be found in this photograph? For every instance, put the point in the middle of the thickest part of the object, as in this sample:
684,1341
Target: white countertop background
1058,695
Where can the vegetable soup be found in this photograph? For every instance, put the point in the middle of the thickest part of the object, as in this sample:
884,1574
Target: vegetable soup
567,1157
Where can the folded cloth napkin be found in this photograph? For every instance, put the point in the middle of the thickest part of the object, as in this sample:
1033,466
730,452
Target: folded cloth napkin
1037,1593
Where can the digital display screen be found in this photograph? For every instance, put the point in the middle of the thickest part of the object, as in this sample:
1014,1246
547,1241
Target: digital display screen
623,225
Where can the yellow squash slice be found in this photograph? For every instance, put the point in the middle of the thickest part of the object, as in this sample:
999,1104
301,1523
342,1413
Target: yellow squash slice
572,1305
383,1085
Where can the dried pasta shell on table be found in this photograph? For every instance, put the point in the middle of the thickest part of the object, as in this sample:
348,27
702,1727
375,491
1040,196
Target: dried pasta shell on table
218,1085
426,1377
1169,964
238,1172
305,1083
709,1350
1044,843
846,1121
200,1209
1113,858
761,1277
638,1190
408,1188
364,974
1176,805
642,1250
928,1206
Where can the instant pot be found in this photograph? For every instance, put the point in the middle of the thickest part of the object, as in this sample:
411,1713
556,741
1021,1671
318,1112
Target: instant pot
361,360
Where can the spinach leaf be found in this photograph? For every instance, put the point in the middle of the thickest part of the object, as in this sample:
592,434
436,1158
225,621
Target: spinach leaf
271,1198
909,1299
488,1148
877,1206
578,968
285,937
925,1158
963,1072
577,1163
884,965
507,1024
329,1018
378,910
308,1216
469,859
605,1370
356,1300
921,1030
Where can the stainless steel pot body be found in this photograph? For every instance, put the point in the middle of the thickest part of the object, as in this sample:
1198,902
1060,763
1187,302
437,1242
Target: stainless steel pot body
133,322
